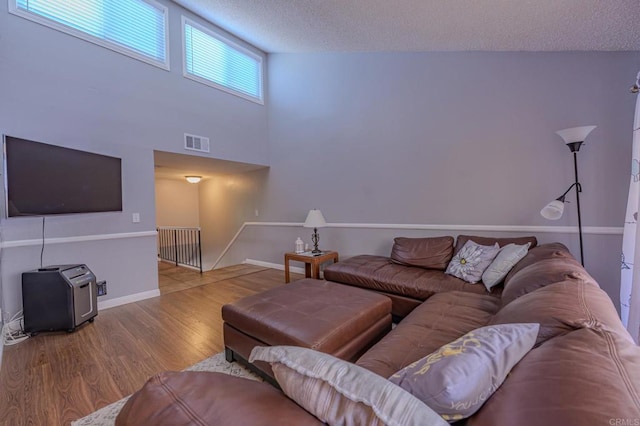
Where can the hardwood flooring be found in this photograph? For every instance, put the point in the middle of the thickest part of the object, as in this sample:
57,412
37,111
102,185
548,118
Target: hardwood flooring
54,378
173,278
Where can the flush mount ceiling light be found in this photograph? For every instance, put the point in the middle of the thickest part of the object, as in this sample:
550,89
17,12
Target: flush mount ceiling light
193,179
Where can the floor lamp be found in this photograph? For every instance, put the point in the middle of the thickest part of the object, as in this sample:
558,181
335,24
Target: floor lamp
574,138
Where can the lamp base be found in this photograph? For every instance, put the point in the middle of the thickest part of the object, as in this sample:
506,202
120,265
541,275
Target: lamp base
314,239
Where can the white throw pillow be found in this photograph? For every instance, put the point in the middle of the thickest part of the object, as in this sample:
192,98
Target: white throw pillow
505,260
341,393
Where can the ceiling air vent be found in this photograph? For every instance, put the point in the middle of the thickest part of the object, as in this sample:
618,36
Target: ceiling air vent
196,143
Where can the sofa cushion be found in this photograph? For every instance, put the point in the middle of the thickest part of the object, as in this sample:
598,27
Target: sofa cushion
470,262
205,398
536,254
585,377
459,377
380,274
340,393
505,260
563,307
443,318
430,253
489,241
543,273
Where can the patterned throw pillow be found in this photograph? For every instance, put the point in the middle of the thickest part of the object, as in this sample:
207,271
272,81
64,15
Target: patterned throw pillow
505,260
341,393
470,262
459,377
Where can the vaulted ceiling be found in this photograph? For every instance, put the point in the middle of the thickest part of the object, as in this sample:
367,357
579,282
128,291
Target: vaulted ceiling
427,25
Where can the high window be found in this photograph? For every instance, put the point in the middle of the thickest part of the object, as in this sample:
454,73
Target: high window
137,28
212,59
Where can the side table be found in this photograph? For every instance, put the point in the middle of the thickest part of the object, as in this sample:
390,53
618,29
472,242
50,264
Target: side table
311,263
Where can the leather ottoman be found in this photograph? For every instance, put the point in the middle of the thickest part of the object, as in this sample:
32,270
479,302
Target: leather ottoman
340,320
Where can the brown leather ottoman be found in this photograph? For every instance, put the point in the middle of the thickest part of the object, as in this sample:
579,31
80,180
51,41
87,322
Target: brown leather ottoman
340,320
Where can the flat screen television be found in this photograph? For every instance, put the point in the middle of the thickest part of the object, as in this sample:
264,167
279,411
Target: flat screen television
42,179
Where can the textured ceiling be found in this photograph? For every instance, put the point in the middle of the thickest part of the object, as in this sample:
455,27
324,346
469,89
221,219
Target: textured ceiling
427,25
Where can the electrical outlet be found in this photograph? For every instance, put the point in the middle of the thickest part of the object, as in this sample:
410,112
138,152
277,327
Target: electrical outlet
257,213
102,288
136,218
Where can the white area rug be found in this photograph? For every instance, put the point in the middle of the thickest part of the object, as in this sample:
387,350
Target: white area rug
106,416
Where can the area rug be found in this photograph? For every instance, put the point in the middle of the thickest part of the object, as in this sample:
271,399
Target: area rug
106,416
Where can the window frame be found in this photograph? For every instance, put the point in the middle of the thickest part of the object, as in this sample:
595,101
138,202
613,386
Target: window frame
124,50
226,40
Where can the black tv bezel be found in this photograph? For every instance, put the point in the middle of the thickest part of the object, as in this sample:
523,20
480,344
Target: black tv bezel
6,181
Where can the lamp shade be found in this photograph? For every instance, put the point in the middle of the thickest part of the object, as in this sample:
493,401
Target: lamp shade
193,179
575,134
315,219
553,210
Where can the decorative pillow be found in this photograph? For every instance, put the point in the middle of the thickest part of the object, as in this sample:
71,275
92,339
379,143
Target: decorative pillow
471,261
429,253
505,260
489,241
341,393
459,377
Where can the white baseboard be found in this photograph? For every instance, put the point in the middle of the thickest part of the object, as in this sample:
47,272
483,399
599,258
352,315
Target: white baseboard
278,266
111,303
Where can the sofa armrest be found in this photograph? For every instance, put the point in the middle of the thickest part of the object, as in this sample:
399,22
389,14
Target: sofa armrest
191,397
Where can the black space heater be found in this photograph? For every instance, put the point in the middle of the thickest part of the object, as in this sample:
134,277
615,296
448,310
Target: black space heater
58,298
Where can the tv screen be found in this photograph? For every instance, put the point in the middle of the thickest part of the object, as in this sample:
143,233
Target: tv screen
43,179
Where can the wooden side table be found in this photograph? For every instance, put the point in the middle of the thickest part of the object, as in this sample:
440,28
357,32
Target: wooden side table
311,263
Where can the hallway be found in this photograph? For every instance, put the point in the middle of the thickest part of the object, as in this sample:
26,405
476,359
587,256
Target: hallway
173,278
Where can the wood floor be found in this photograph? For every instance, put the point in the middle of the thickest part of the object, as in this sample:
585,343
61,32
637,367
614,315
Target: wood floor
54,378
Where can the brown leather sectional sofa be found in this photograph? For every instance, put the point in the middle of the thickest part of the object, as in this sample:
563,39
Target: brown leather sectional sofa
408,286
583,370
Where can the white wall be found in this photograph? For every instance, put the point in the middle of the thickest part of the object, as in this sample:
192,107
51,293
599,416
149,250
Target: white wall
177,203
58,89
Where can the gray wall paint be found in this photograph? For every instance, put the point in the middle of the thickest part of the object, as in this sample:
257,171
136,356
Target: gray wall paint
226,202
462,138
446,138
62,90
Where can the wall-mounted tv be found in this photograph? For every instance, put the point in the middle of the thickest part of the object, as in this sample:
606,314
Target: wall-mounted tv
42,179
